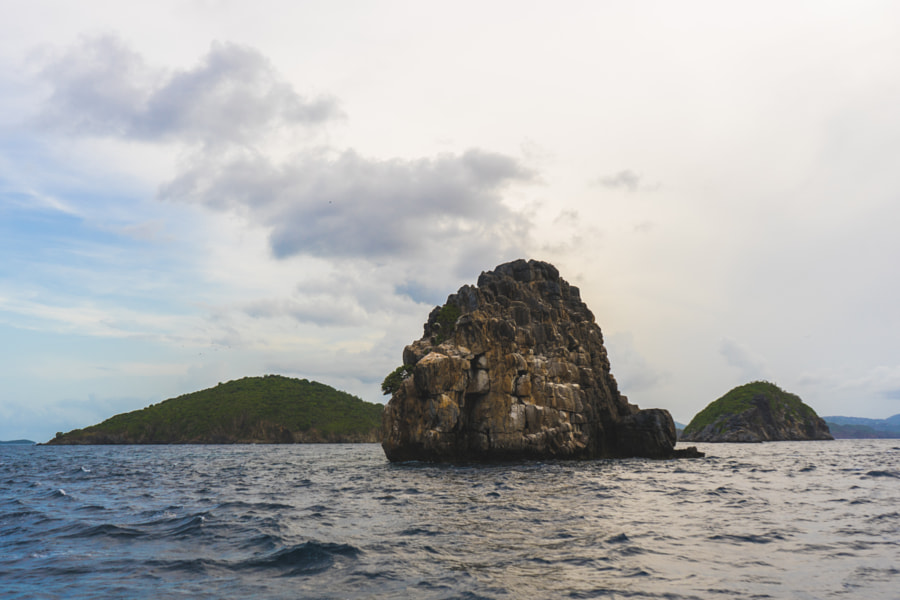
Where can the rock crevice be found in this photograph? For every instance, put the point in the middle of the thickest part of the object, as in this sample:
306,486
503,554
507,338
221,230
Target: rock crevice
513,368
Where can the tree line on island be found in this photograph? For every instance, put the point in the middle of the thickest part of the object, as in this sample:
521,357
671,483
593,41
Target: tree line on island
271,409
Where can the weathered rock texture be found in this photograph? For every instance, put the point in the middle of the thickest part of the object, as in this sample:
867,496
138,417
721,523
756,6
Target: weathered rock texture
756,412
516,368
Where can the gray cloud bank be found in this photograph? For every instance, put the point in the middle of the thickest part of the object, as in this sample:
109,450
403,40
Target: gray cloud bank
101,87
351,206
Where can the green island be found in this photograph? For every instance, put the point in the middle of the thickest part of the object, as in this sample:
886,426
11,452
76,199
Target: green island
756,412
271,409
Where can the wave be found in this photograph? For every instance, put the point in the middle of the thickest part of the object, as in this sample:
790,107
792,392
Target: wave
177,526
262,506
306,558
105,530
750,538
262,540
893,474
58,493
419,531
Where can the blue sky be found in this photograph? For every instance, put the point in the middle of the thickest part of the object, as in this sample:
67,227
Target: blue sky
192,192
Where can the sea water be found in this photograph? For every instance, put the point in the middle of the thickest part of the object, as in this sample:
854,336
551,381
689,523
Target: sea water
776,520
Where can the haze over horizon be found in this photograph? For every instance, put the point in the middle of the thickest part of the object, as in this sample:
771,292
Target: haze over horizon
194,192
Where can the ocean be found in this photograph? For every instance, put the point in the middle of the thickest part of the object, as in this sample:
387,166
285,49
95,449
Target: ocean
779,520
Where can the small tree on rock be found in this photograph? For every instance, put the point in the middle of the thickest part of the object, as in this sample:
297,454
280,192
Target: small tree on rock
396,378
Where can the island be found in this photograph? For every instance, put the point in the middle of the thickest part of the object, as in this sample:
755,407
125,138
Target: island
759,411
515,368
271,409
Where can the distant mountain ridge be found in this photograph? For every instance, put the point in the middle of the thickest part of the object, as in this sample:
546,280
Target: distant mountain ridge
270,409
859,427
16,442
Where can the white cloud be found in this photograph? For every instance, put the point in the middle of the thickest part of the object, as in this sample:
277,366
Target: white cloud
625,179
633,371
751,365
77,316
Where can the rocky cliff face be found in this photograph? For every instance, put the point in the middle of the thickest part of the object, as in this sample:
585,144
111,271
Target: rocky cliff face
756,412
515,367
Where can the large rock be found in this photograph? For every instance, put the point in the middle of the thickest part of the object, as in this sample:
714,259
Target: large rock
516,368
756,412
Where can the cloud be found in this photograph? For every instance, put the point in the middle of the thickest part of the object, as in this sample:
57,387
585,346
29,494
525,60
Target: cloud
349,206
350,297
319,309
146,231
626,179
34,200
371,243
419,292
874,390
891,394
101,87
741,357
321,203
644,226
632,370
567,217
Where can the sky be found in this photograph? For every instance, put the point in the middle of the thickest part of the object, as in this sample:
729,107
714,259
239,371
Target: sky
197,191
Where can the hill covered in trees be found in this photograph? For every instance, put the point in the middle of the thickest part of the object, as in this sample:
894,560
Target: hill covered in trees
759,411
269,409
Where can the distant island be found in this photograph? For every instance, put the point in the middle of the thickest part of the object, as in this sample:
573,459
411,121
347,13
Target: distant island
756,412
254,410
16,443
861,428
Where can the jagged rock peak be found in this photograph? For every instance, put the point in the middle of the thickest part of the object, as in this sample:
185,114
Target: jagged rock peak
515,367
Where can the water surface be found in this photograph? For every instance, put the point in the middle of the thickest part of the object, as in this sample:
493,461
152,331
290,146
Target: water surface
778,520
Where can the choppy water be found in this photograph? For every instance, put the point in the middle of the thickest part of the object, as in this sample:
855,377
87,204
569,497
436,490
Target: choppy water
780,520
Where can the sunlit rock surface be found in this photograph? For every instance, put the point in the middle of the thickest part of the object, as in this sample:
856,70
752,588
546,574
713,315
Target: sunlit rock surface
514,368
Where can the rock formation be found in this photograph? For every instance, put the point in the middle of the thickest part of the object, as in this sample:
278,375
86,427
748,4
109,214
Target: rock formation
756,412
516,368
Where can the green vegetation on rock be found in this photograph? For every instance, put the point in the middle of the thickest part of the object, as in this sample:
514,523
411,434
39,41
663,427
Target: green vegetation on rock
740,399
445,322
756,411
269,409
395,379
